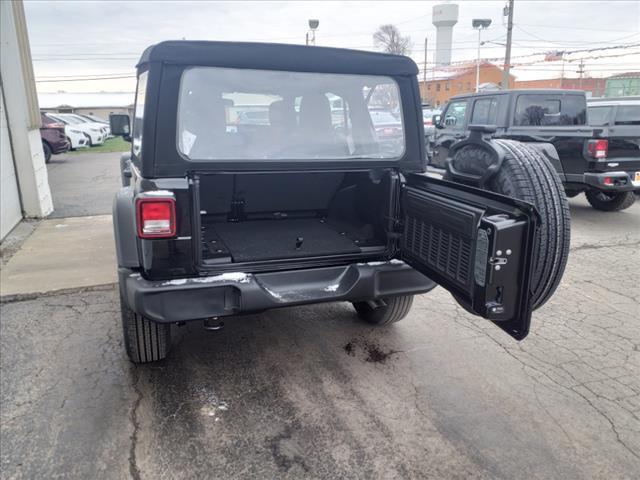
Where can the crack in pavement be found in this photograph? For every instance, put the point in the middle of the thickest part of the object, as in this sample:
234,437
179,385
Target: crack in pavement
134,469
597,246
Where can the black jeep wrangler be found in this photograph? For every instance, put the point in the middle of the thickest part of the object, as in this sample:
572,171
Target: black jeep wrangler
601,160
257,179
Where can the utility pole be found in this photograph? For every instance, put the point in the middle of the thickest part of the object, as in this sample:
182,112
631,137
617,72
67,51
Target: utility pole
507,55
581,72
424,72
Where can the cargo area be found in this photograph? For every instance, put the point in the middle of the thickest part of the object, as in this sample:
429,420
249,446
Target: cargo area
256,217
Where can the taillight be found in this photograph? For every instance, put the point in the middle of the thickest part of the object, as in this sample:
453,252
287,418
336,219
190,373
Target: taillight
598,148
156,217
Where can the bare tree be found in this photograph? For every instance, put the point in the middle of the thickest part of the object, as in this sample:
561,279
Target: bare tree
389,39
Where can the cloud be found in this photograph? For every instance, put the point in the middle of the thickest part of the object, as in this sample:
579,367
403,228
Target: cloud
79,38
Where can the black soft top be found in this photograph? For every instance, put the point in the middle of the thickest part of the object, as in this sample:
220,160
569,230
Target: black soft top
276,56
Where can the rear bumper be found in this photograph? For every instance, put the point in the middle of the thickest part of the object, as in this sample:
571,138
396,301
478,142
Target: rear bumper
619,181
233,293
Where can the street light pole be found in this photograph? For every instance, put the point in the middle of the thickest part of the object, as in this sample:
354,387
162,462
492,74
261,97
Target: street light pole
480,24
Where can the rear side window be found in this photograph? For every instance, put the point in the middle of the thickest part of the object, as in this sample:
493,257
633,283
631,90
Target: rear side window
484,112
138,115
628,115
454,116
600,116
550,110
241,114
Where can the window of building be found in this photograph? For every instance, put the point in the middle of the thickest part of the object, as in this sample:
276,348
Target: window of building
437,87
428,86
447,86
459,86
484,112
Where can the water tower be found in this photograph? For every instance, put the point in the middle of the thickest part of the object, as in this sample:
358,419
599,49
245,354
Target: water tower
444,17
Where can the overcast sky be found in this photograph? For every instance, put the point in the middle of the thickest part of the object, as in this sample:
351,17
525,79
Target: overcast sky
83,38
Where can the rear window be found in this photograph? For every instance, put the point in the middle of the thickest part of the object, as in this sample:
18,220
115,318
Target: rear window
550,110
242,114
628,115
600,116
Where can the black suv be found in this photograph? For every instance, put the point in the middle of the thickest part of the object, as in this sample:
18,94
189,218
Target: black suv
218,217
600,158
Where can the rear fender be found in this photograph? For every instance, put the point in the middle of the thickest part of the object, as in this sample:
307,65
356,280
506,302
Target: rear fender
124,229
550,152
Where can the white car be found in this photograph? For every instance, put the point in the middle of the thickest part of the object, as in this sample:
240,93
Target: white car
76,137
95,118
93,132
102,125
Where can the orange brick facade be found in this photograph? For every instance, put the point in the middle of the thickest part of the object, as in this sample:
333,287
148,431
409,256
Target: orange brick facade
593,86
438,91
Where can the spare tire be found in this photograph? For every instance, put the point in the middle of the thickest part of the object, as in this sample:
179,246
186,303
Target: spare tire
527,175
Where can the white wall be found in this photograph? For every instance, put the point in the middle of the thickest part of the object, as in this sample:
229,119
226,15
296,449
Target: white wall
11,211
22,114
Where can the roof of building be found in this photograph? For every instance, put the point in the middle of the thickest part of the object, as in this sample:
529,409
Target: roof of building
626,75
455,71
85,100
275,56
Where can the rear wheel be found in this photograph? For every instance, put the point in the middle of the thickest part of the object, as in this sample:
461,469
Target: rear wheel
384,311
144,340
527,175
46,149
610,202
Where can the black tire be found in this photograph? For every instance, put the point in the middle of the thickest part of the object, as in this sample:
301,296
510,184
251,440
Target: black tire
527,175
384,311
144,340
46,149
610,202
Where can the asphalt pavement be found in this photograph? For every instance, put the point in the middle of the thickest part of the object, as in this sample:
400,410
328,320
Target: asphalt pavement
311,392
83,183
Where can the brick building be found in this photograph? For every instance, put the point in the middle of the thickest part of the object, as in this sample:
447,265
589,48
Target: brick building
456,79
594,87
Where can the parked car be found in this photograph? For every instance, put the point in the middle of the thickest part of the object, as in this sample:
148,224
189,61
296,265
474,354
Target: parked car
427,117
54,140
95,134
96,119
75,136
388,128
103,127
213,222
602,162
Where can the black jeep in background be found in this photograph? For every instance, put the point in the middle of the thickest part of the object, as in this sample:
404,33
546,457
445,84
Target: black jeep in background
602,161
217,217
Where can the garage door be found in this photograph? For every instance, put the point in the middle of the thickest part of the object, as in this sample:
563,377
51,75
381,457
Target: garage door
10,209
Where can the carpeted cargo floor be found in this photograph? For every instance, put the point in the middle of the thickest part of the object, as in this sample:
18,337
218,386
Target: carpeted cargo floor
274,239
